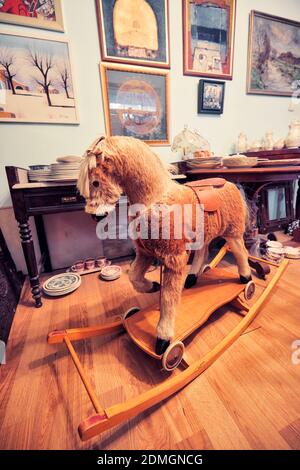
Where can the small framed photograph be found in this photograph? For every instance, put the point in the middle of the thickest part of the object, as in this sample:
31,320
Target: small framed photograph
44,14
136,102
211,97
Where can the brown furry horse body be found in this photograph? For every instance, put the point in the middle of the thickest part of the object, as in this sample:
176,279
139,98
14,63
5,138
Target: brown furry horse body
116,165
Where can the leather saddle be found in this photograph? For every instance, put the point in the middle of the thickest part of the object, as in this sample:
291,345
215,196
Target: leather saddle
206,192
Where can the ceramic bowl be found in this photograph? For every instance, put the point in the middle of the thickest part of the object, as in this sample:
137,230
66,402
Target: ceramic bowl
110,273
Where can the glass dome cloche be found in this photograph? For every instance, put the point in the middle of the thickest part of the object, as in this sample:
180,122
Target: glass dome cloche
190,144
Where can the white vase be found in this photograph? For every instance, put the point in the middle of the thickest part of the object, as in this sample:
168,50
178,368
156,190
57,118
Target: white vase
279,144
293,137
269,141
242,143
256,146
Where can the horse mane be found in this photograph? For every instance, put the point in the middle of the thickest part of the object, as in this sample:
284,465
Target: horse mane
123,151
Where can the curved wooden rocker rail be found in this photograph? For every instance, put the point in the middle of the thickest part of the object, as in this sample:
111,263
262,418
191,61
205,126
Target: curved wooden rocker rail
105,419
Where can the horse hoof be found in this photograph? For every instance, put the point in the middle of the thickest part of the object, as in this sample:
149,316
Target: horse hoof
190,281
155,287
245,280
161,346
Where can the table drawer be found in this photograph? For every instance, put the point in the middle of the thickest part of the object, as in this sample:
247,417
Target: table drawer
58,201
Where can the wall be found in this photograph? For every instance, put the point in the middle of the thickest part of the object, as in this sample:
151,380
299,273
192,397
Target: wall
24,144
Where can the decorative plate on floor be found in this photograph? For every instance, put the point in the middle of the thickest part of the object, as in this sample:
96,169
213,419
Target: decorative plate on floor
111,273
292,252
62,284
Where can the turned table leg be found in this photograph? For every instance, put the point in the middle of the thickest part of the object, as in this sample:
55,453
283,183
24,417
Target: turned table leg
29,254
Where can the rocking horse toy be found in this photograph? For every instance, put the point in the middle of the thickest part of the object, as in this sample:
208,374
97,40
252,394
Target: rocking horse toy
116,165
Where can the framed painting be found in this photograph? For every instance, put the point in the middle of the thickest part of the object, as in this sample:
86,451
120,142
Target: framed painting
36,82
208,37
136,102
45,14
273,55
211,97
134,31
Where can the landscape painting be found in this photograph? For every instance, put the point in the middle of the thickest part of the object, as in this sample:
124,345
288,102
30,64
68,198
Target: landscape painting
274,55
134,31
46,14
208,33
36,83
136,102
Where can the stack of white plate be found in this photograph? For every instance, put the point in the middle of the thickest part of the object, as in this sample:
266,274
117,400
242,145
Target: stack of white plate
64,171
61,284
39,173
275,251
111,273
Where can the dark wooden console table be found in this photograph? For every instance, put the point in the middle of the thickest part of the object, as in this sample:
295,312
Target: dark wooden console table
256,181
38,199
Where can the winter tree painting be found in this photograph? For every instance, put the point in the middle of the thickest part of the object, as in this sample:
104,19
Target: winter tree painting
36,81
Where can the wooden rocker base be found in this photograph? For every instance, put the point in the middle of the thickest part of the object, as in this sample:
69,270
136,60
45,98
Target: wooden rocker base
141,328
208,293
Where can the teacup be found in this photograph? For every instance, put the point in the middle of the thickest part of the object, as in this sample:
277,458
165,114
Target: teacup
101,262
89,263
78,266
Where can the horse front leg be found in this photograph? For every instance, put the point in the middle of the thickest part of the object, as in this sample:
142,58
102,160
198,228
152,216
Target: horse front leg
199,261
137,273
172,285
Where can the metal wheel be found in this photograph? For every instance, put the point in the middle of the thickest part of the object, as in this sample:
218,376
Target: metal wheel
131,312
249,290
173,356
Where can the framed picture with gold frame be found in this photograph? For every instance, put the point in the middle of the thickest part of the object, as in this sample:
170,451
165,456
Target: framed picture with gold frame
134,31
273,55
136,102
44,14
37,84
208,37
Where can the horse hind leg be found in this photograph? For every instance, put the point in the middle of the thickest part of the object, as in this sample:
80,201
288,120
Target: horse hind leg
237,246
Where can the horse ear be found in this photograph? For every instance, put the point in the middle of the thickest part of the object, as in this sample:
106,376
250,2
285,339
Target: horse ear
94,148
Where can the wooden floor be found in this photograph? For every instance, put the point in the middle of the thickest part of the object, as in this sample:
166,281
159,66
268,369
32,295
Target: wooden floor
248,399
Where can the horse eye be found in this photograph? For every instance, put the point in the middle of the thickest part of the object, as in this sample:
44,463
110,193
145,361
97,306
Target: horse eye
96,184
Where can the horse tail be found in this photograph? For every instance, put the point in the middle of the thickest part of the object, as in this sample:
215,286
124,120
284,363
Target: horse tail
250,209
